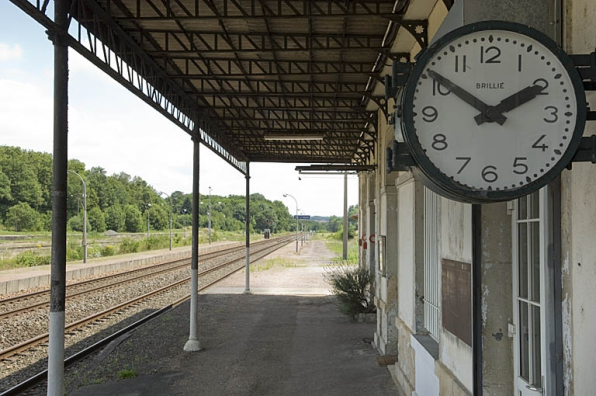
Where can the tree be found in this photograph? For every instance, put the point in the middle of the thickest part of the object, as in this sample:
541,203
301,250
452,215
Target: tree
4,186
133,219
22,217
96,219
158,217
115,218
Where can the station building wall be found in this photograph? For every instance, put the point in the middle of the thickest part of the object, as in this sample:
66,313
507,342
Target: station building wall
442,363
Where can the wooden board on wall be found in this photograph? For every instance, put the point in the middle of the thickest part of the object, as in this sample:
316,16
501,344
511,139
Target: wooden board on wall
456,286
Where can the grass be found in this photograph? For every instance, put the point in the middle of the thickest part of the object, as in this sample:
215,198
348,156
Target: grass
127,373
275,262
337,248
97,247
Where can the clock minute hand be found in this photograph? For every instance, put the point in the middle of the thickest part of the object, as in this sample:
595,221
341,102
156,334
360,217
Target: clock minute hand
491,113
513,101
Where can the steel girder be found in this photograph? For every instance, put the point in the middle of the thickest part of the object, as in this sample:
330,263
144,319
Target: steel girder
237,70
107,46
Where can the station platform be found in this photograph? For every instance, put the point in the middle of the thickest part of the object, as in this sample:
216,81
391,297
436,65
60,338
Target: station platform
287,338
15,280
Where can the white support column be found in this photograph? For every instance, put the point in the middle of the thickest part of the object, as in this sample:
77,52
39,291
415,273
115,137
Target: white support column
59,184
193,344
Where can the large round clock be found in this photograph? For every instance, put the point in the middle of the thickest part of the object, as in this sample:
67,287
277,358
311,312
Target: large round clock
492,111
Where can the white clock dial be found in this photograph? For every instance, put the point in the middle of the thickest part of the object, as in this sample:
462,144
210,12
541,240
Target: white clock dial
494,110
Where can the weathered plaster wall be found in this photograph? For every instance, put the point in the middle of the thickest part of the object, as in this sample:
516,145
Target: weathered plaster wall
579,230
406,243
456,231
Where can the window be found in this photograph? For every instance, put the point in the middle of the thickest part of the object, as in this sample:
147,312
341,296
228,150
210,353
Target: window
432,293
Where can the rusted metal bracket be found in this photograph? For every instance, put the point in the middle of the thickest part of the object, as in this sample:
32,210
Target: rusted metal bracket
417,28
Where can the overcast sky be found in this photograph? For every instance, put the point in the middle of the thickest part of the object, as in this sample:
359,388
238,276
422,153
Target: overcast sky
112,128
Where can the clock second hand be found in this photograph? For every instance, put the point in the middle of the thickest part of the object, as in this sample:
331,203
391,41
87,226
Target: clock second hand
490,112
512,102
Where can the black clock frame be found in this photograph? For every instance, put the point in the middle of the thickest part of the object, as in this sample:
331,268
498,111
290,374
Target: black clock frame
437,181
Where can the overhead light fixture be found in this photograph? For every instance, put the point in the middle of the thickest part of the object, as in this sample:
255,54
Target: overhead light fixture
276,136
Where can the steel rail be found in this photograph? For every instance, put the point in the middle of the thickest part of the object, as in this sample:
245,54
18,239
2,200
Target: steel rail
92,318
28,383
210,255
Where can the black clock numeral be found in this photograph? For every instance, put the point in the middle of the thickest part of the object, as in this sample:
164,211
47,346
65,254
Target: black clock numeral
439,89
542,146
463,64
543,83
519,164
439,142
489,174
430,114
553,113
519,63
494,54
467,159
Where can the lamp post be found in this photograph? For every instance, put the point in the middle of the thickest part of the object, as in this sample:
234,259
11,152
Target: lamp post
209,214
171,210
84,216
288,195
148,206
184,221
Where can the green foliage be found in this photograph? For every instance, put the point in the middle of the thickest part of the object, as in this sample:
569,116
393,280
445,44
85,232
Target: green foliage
155,242
122,200
337,247
351,285
22,217
74,251
76,223
31,258
128,245
107,250
133,219
96,220
127,373
158,217
115,219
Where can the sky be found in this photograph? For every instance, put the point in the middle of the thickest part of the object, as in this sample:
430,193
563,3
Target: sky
111,128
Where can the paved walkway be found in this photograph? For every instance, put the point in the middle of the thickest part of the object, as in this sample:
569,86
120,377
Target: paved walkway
287,338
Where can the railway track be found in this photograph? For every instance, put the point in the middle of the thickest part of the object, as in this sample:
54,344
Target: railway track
213,273
19,304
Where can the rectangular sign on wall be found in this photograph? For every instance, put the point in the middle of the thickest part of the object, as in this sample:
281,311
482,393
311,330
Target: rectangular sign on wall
456,296
302,217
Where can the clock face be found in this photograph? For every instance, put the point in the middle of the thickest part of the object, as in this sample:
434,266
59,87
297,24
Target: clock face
493,111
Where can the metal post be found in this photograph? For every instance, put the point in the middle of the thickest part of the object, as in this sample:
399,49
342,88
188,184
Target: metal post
171,212
209,227
59,186
84,216
148,206
296,201
477,299
345,251
247,271
193,344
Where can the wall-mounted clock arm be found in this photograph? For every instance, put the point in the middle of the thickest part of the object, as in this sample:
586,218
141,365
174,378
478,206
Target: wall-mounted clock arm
586,151
398,158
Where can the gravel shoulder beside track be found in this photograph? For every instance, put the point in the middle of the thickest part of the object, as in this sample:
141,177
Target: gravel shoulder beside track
252,344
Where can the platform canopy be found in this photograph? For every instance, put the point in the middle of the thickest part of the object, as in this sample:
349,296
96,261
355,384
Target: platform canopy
255,80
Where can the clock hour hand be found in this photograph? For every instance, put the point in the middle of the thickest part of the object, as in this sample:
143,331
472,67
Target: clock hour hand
491,113
512,102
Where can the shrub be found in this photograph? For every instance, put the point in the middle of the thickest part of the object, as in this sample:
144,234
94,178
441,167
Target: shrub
74,251
350,284
31,258
107,250
128,245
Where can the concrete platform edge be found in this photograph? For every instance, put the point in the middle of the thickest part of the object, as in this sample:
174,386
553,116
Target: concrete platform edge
85,270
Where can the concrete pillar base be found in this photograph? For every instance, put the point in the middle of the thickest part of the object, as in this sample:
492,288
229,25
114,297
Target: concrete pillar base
192,346
247,292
